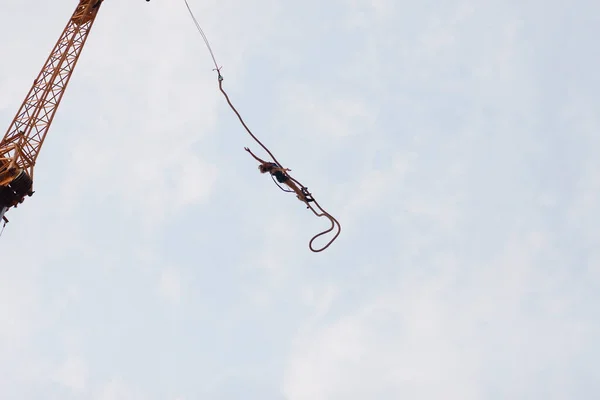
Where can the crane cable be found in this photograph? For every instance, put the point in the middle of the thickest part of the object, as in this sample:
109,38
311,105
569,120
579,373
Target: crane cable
202,34
320,212
4,222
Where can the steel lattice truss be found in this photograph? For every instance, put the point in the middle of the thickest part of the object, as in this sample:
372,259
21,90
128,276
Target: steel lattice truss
25,136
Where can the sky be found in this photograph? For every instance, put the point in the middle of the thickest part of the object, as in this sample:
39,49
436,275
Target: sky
456,142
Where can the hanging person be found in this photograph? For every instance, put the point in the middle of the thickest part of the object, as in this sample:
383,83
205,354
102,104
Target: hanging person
282,177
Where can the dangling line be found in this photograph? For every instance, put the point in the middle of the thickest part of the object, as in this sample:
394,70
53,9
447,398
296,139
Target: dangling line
321,212
3,226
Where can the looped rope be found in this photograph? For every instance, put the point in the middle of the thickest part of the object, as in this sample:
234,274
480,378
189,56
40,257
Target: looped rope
306,197
334,222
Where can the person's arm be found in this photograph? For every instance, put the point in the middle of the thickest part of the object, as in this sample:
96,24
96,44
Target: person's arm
256,158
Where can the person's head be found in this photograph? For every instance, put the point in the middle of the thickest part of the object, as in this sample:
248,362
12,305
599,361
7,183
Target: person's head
264,168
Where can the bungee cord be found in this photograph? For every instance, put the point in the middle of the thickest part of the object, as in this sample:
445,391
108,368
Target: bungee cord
302,192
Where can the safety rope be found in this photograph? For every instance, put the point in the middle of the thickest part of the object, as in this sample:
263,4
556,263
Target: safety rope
321,212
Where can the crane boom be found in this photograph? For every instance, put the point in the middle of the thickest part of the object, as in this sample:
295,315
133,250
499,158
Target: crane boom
21,145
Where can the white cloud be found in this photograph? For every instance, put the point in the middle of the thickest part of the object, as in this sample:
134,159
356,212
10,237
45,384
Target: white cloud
118,390
18,306
72,373
325,114
458,334
170,285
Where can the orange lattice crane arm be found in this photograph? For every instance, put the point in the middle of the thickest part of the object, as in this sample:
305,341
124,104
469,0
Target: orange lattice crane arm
21,145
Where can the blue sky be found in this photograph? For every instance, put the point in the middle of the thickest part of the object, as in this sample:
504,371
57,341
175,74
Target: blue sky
456,142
